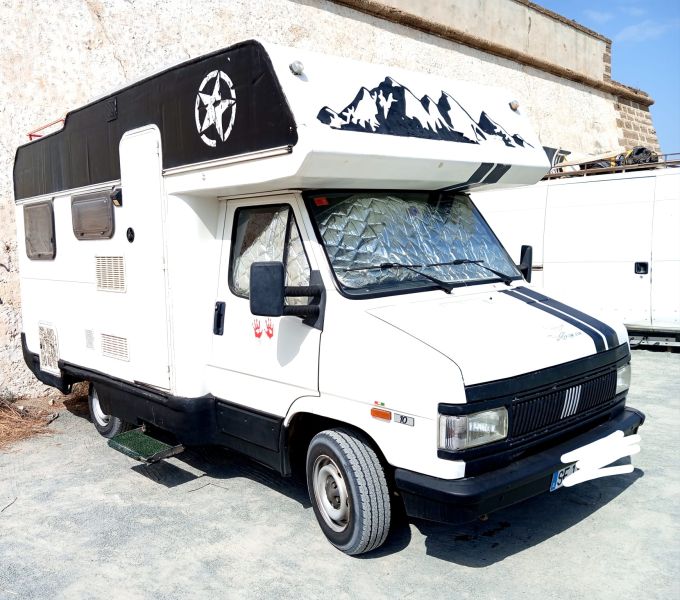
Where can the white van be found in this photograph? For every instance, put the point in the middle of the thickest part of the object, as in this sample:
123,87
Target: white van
274,251
605,239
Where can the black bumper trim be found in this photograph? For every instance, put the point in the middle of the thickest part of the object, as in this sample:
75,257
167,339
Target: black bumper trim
193,421
462,500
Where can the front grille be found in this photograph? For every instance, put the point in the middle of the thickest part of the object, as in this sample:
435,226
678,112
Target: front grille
546,409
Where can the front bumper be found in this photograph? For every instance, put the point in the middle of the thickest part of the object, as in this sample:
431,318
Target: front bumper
462,500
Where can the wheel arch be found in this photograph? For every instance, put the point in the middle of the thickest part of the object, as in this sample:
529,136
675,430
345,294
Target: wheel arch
300,427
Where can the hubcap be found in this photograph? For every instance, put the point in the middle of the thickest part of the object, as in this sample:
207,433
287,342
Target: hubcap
330,492
100,417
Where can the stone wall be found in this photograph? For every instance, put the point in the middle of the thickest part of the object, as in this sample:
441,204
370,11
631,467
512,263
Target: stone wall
635,125
607,61
55,56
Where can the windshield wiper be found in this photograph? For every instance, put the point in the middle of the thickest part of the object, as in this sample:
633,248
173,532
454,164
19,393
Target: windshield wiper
505,278
444,285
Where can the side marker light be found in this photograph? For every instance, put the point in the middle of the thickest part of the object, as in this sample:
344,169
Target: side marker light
380,413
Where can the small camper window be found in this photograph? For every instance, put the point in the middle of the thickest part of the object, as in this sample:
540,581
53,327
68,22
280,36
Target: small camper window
267,233
39,231
92,216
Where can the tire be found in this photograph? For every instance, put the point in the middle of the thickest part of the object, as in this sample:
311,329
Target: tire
348,490
106,425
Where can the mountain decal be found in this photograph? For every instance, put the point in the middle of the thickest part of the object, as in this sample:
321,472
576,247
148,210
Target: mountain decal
392,109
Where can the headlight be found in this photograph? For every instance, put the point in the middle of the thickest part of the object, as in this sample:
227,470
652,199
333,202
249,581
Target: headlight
468,431
622,378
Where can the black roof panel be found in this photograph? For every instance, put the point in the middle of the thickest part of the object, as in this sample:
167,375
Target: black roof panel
193,105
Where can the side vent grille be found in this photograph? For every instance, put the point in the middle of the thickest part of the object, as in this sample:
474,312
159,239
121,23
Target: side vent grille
111,273
115,347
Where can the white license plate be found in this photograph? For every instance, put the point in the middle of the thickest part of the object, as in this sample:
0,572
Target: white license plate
559,477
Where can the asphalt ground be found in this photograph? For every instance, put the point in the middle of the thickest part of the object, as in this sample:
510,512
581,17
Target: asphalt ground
79,520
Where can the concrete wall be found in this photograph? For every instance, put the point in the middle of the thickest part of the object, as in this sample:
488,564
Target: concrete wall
519,25
56,55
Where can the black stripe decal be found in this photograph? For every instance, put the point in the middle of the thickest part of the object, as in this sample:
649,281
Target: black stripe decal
479,174
476,177
497,173
594,335
608,333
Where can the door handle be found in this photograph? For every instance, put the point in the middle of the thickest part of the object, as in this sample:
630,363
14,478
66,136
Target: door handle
641,268
218,319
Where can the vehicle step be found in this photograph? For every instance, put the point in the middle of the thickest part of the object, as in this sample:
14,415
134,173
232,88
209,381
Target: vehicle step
140,446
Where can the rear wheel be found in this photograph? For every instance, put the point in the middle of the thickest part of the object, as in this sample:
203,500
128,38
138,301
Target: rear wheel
348,490
106,425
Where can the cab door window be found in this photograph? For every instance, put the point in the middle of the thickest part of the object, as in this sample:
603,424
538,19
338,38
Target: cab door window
263,234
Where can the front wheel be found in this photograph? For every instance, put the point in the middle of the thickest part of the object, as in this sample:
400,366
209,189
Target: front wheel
106,425
348,490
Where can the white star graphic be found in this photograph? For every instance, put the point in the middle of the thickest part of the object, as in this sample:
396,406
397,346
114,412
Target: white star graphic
215,106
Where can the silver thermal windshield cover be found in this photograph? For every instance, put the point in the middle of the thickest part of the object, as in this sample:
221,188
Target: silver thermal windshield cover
369,229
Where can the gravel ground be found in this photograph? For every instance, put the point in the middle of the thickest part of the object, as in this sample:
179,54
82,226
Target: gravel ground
79,520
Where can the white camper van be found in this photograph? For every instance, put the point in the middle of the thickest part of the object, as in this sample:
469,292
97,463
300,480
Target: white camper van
274,251
607,239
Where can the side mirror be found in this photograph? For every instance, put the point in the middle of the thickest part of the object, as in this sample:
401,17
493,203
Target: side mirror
525,262
268,293
267,280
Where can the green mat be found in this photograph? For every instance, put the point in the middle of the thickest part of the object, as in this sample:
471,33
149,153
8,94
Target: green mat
140,446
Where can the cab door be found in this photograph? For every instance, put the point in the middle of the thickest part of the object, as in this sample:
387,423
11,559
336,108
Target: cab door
263,363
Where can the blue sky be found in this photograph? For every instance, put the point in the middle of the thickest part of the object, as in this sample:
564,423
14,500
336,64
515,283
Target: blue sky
645,38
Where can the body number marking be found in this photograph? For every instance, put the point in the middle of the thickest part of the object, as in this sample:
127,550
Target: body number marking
402,419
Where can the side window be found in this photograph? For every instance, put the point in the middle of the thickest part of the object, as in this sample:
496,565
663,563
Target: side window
39,231
267,233
92,216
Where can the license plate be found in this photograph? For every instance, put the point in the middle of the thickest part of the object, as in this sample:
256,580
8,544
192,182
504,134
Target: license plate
559,477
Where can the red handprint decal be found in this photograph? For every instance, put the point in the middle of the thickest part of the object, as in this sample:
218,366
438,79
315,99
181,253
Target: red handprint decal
270,328
257,329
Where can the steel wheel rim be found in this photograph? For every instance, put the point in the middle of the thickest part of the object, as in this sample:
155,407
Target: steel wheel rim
330,493
99,415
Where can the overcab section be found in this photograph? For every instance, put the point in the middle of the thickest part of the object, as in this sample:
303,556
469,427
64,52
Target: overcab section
201,96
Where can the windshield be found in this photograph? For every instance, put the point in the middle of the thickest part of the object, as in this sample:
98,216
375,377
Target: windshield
368,235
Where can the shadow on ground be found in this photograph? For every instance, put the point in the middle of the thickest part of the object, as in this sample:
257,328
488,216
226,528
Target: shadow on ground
477,544
199,462
209,465
513,530
77,406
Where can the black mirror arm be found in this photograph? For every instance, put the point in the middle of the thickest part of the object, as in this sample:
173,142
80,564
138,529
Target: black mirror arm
313,291
305,311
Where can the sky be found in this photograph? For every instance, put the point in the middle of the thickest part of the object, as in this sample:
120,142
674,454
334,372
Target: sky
645,38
